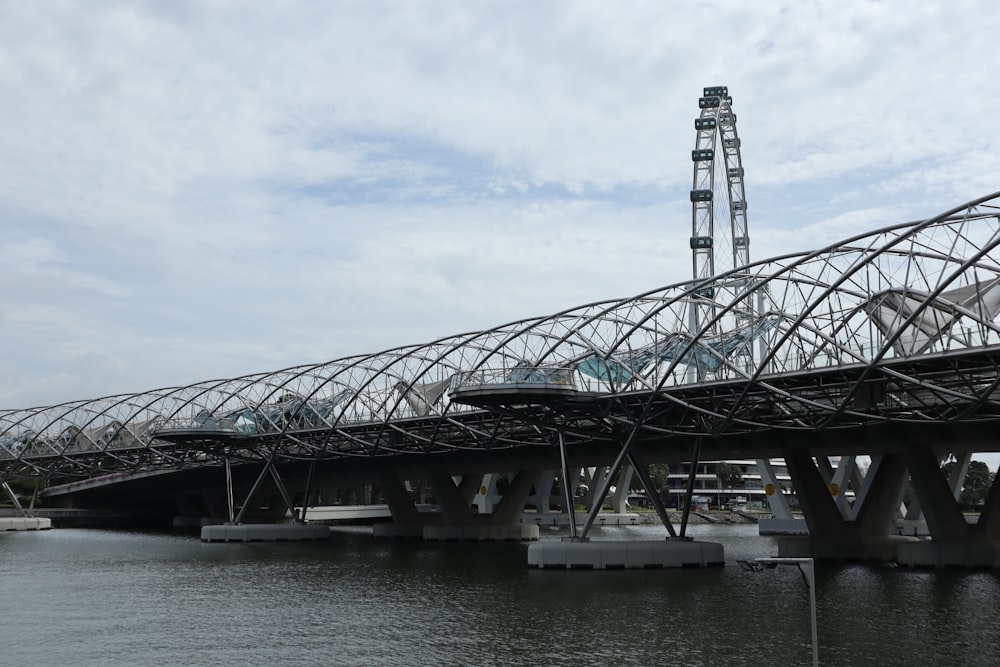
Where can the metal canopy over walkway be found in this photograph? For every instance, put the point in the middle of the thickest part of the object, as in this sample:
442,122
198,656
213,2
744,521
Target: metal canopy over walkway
895,325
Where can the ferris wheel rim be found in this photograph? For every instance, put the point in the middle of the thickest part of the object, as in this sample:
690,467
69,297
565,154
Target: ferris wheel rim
716,126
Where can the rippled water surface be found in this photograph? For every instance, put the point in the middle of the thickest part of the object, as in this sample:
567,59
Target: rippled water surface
91,597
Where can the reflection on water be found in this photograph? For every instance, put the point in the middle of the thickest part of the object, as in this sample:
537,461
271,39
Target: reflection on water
89,597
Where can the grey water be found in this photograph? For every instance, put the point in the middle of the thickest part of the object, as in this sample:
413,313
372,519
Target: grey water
94,597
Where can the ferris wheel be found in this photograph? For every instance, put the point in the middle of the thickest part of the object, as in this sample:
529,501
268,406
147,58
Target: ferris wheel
719,239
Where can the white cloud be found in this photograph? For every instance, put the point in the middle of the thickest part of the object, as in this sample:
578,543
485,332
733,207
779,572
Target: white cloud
199,189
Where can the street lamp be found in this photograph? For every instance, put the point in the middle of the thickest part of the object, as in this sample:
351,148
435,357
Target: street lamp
808,571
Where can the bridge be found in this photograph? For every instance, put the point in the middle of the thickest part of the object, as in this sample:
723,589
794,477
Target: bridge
883,345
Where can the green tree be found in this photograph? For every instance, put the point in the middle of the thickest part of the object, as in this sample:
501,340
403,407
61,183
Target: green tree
977,484
658,473
978,481
730,475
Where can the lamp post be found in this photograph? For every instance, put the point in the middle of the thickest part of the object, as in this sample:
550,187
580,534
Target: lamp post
808,571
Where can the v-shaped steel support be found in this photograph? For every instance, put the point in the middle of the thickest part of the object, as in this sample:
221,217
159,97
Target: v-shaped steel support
689,492
567,486
13,498
609,478
651,491
269,467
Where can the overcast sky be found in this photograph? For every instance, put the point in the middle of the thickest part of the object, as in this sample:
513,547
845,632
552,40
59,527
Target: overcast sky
199,190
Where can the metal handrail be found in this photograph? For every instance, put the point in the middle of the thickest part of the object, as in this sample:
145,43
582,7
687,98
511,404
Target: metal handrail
542,376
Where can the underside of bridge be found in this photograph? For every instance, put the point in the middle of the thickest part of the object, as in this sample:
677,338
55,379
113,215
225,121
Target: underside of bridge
868,528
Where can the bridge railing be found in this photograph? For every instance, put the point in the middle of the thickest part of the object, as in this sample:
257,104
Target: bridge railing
187,424
527,377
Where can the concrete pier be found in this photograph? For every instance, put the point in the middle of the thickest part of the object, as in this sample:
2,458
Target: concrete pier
24,523
620,555
265,532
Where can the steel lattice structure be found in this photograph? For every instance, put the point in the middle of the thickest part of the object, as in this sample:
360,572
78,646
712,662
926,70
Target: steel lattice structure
720,239
896,325
717,161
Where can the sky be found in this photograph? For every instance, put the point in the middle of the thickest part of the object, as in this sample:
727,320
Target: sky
200,190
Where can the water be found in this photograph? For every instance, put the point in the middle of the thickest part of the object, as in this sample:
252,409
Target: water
91,597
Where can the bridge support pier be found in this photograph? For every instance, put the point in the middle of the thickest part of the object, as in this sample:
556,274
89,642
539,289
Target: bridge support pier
618,516
864,535
237,531
783,521
578,552
455,520
25,521
954,542
867,530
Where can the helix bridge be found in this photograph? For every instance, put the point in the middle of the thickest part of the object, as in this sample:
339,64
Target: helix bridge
883,344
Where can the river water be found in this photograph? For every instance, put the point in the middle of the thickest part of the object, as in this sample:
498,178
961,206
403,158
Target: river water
94,597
